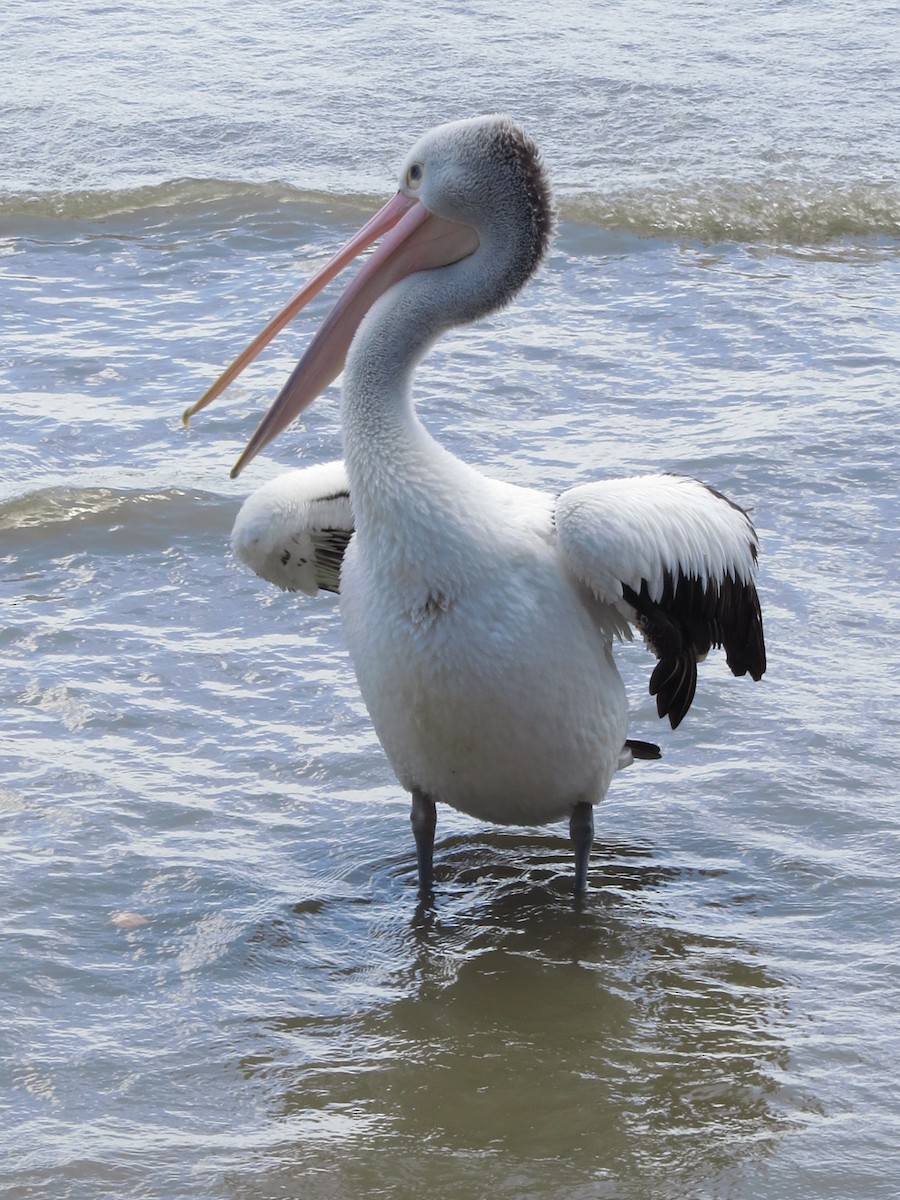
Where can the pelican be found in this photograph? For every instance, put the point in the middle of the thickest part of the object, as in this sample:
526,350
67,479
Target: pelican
481,616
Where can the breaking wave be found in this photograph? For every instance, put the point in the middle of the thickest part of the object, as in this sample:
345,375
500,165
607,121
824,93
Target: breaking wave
751,212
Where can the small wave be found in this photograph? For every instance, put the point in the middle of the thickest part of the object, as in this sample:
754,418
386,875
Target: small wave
178,196
750,212
109,508
746,212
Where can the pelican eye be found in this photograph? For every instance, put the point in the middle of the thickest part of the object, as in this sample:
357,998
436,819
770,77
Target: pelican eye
414,175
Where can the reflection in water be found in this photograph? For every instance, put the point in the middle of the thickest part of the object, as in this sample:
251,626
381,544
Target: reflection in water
586,1051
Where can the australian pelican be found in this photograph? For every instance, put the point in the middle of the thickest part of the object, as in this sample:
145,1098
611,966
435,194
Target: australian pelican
481,616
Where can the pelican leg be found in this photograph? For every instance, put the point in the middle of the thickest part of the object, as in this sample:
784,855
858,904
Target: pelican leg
581,831
424,820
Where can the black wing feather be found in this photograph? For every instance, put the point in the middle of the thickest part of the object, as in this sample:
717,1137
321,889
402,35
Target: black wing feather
329,546
687,620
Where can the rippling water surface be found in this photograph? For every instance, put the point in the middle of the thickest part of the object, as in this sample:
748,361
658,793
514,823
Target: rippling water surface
216,981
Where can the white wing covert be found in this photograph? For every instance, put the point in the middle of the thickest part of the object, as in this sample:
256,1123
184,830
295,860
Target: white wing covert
293,530
676,558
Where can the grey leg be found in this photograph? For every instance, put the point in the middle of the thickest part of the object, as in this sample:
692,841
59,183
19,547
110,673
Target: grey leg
424,819
581,831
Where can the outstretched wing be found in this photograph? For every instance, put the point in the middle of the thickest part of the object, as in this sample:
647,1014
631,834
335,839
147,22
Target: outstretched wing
677,559
293,531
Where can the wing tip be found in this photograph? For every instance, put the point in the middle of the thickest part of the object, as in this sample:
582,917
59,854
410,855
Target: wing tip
674,684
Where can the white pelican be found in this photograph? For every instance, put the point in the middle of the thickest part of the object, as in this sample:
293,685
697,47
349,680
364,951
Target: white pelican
480,616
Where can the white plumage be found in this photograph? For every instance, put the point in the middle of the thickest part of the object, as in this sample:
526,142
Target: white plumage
626,531
286,529
480,616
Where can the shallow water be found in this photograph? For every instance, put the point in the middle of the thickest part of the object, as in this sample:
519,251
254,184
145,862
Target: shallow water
217,983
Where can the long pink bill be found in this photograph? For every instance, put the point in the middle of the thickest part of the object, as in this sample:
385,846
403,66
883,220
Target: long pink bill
383,220
418,242
414,239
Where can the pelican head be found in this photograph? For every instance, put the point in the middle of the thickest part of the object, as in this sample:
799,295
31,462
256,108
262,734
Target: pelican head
473,198
486,173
